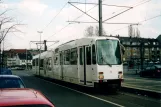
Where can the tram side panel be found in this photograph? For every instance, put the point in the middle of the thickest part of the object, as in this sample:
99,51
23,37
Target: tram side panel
56,68
37,67
70,67
47,64
49,67
85,66
34,66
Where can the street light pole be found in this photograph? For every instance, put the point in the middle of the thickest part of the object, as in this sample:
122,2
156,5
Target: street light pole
40,51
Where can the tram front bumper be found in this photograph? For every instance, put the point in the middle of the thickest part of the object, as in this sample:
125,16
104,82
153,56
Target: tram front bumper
109,83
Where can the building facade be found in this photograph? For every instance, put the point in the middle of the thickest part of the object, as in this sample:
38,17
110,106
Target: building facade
24,60
17,57
148,48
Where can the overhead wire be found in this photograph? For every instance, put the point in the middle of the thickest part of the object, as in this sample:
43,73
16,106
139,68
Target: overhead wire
74,20
139,22
141,2
59,30
55,15
137,4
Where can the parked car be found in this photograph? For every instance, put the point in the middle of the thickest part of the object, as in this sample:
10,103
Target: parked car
11,81
5,71
153,71
21,67
23,98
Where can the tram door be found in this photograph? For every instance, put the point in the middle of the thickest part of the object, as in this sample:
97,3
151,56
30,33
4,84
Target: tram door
84,66
61,65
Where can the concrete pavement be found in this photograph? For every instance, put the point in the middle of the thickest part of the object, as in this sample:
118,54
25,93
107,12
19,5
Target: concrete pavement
132,80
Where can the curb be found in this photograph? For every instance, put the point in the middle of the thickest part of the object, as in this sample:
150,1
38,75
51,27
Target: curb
141,92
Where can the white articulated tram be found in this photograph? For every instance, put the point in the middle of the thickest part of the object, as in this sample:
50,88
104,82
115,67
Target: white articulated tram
90,61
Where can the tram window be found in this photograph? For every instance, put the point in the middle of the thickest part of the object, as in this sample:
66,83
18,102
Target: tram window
61,58
49,61
37,62
56,60
67,57
88,55
33,62
93,54
73,56
41,62
81,56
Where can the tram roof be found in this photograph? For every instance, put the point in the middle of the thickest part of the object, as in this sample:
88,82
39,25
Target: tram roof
100,37
42,54
90,38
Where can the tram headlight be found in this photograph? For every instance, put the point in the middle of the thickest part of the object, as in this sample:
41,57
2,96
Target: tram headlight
101,76
120,75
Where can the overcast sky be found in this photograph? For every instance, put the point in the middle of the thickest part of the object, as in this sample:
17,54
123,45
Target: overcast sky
37,14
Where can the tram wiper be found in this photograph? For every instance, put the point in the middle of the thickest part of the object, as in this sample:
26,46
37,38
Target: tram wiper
103,60
109,64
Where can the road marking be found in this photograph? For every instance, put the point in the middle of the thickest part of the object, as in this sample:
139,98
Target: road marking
85,94
144,98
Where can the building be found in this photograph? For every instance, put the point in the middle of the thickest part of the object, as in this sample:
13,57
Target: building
151,48
11,62
17,57
24,60
34,51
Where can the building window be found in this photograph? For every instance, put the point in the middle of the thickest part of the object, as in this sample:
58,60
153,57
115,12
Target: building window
145,43
158,52
128,43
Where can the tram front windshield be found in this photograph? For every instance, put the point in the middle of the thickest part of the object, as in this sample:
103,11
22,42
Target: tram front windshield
108,52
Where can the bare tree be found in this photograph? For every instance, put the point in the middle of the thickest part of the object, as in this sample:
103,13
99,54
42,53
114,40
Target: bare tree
97,31
137,33
130,31
7,25
90,31
133,31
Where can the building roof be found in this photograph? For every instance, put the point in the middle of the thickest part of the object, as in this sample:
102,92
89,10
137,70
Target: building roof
18,50
23,56
159,38
134,39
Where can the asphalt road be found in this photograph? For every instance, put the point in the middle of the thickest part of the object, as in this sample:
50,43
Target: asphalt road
64,97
